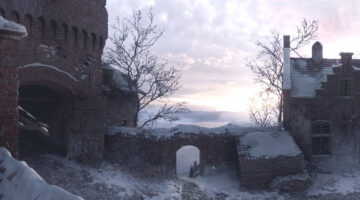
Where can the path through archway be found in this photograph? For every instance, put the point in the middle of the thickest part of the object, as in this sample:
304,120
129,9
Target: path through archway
185,158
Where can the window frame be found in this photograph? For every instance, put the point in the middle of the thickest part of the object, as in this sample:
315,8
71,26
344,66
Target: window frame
324,131
345,87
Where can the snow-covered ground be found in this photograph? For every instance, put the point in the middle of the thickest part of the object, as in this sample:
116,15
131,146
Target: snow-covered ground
109,181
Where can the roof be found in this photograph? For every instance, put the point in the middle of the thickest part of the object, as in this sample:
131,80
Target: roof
306,75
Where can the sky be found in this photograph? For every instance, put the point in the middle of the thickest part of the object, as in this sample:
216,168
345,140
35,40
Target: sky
211,39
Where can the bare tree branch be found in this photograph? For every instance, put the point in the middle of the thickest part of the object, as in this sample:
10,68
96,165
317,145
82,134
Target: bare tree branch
267,66
148,76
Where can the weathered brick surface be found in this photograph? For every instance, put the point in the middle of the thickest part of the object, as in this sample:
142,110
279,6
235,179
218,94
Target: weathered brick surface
258,173
9,95
341,112
148,154
63,53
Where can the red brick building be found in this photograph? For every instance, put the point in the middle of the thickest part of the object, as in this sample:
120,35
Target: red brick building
322,102
60,76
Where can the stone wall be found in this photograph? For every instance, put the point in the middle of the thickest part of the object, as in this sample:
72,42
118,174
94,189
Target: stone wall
258,173
147,154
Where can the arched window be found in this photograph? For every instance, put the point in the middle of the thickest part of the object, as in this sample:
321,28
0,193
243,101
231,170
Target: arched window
14,16
64,32
85,38
41,26
2,13
93,36
53,29
321,138
75,35
101,43
28,22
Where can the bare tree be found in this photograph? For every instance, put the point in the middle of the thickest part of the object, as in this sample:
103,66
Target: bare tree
267,65
262,110
148,76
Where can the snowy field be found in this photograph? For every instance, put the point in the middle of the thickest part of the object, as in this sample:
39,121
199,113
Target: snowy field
112,182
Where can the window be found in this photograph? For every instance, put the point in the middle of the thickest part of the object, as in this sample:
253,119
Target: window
320,146
28,21
345,87
53,29
321,138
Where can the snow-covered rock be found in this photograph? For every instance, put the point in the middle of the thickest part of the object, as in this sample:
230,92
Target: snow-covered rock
12,30
19,181
270,144
292,183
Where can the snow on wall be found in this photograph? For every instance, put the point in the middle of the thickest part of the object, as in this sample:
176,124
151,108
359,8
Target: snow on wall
304,81
48,66
181,128
270,144
12,26
19,181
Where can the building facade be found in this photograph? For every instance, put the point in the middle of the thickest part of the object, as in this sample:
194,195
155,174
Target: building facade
61,78
322,102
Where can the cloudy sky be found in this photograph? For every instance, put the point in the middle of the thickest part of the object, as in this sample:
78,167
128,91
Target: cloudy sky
210,39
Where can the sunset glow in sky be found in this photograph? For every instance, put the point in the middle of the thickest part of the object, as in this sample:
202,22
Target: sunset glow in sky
210,40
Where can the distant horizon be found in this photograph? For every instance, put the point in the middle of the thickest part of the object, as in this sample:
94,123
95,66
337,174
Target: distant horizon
210,41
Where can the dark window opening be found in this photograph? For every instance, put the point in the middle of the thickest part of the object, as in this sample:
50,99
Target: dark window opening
93,41
28,22
53,27
321,146
101,43
75,36
321,137
41,22
2,13
14,16
85,37
65,32
345,87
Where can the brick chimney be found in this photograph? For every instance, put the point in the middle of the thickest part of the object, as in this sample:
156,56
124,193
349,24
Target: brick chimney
346,59
286,65
317,52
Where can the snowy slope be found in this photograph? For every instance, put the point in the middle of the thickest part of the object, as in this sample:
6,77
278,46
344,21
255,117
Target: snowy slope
20,182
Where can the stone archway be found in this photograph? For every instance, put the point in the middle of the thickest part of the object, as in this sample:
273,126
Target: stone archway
52,105
185,158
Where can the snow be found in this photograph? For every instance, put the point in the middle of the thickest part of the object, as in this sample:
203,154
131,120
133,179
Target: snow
268,144
181,128
50,51
12,26
224,180
305,82
21,182
48,66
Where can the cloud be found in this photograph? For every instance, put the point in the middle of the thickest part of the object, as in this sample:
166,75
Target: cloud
210,39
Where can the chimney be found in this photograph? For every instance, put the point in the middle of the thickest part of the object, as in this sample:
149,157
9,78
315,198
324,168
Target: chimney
346,59
317,52
286,66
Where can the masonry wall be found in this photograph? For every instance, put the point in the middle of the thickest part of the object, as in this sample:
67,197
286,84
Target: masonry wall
63,53
342,112
151,154
9,95
258,173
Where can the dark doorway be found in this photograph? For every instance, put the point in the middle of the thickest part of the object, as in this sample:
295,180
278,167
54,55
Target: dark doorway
49,106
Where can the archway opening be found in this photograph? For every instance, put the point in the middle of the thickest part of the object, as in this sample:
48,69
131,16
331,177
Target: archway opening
50,106
186,157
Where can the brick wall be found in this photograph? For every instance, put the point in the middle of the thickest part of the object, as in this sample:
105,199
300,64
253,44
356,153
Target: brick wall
9,95
151,154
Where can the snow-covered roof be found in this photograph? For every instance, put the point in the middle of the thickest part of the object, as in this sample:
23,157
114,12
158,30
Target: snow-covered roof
269,144
306,76
19,181
181,128
11,29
